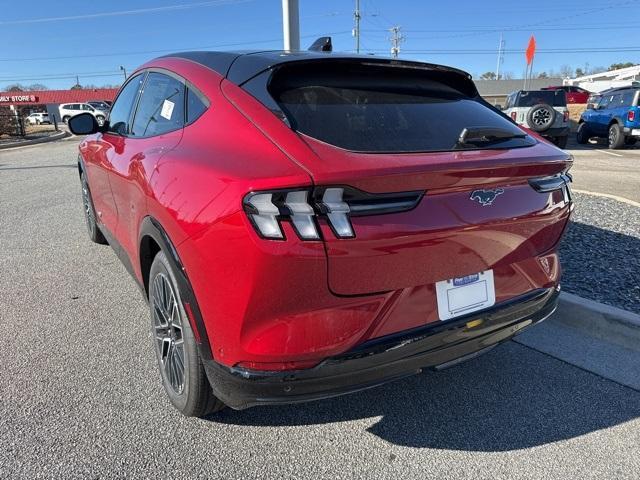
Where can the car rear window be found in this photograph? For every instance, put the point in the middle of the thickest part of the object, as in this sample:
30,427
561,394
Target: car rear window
383,110
555,98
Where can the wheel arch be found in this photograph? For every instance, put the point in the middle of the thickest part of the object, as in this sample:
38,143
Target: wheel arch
81,167
615,120
152,239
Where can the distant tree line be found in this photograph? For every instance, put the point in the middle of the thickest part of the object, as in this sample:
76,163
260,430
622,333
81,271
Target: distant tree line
19,87
565,71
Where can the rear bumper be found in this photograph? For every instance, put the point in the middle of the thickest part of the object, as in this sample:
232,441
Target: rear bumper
383,359
556,132
632,131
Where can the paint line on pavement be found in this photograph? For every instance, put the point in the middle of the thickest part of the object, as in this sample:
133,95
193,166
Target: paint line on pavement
607,195
609,153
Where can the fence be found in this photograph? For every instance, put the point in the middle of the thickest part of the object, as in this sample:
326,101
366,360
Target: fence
12,125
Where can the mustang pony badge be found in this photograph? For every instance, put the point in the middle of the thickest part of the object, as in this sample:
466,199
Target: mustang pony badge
486,197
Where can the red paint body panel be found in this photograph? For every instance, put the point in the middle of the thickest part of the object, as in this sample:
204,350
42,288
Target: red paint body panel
277,302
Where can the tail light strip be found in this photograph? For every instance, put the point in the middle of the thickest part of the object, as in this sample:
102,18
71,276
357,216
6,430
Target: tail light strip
303,207
550,184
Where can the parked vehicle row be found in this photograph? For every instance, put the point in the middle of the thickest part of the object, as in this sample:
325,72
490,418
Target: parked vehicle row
99,110
613,115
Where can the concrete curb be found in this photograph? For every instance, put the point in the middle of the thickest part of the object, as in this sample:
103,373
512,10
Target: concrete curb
36,141
599,320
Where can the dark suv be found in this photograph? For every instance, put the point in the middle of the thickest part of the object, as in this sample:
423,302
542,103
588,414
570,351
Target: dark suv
543,111
615,116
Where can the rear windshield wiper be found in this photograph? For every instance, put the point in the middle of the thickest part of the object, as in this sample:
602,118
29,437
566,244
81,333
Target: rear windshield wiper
481,136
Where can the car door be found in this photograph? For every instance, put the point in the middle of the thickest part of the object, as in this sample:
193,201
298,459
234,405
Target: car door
156,129
105,147
600,122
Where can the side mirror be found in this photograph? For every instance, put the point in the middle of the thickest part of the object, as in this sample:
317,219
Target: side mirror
499,107
591,106
83,124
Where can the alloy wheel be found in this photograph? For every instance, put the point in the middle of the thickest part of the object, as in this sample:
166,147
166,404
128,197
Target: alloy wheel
167,329
541,117
613,136
88,209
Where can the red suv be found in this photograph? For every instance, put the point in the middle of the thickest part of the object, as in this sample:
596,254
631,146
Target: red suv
310,224
573,94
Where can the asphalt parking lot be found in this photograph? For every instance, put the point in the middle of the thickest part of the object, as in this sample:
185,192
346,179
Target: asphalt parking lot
81,395
598,169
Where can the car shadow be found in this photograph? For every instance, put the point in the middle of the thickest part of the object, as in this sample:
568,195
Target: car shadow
602,265
511,398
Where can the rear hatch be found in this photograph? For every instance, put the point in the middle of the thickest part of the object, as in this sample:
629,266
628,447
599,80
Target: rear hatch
426,200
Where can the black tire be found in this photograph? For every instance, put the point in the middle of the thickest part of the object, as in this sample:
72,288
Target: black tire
615,137
582,135
541,117
181,368
561,142
95,235
630,141
65,119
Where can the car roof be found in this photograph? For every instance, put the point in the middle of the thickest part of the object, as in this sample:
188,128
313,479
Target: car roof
240,66
619,89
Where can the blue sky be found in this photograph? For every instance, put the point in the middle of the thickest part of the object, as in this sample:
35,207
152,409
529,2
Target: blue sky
92,39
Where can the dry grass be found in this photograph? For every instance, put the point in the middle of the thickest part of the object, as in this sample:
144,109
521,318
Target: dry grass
575,110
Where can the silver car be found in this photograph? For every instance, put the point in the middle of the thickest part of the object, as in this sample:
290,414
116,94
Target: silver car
543,111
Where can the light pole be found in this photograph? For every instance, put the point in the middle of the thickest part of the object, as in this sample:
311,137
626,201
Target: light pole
124,71
290,25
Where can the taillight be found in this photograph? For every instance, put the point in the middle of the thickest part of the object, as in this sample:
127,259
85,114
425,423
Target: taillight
565,117
303,207
513,116
631,116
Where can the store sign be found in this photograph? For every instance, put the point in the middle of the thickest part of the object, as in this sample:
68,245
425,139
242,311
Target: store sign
18,98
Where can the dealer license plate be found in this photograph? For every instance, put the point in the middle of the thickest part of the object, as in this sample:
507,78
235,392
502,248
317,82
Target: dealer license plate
463,295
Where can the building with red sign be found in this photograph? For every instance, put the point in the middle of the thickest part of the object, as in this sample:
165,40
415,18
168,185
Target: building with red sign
49,100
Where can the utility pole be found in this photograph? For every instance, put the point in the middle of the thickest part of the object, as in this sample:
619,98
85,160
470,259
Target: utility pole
396,40
124,72
290,25
356,29
500,57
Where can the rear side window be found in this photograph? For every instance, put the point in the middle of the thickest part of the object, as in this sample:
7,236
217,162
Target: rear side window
382,110
196,105
555,98
627,98
161,106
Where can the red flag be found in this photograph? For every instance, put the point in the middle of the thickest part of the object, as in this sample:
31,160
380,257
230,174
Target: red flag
531,50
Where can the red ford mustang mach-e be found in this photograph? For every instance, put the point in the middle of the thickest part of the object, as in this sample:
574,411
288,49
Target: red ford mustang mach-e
308,224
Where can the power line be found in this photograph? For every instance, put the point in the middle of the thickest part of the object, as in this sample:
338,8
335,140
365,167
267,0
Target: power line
167,50
183,6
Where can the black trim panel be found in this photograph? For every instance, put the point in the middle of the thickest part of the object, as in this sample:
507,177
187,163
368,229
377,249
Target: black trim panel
385,359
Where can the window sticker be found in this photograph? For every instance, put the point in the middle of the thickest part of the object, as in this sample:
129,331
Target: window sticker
167,109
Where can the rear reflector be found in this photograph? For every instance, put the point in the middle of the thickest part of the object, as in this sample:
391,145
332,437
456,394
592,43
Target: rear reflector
297,365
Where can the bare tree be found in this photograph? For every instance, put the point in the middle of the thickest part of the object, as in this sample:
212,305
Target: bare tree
566,71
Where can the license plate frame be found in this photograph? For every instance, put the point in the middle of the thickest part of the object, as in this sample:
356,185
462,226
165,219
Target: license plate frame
460,296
